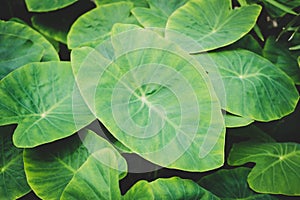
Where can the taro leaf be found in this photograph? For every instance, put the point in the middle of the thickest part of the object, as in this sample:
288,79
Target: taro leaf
254,87
137,3
83,166
206,28
47,5
282,58
42,99
168,188
232,121
25,32
13,183
232,185
158,13
277,166
95,26
152,107
23,51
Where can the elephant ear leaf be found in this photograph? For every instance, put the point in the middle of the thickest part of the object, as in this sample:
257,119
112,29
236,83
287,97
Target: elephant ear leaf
206,28
275,163
44,102
168,188
266,92
149,99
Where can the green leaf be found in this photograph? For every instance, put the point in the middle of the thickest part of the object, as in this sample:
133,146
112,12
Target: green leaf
150,106
277,166
23,51
43,100
168,188
206,28
83,166
231,185
232,121
264,92
137,3
13,183
158,13
284,59
23,31
47,5
95,26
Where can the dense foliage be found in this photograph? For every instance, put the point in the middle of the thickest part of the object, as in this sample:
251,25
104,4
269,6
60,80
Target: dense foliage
149,99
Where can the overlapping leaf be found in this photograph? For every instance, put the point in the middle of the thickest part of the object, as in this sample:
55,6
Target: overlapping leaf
277,166
84,166
95,26
171,188
24,32
158,13
232,185
47,5
164,108
42,99
264,92
13,182
206,27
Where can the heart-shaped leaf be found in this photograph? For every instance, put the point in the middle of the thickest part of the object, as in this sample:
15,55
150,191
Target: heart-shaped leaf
168,188
13,183
43,100
95,26
83,166
210,24
47,5
232,185
24,32
158,13
277,166
265,92
153,108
